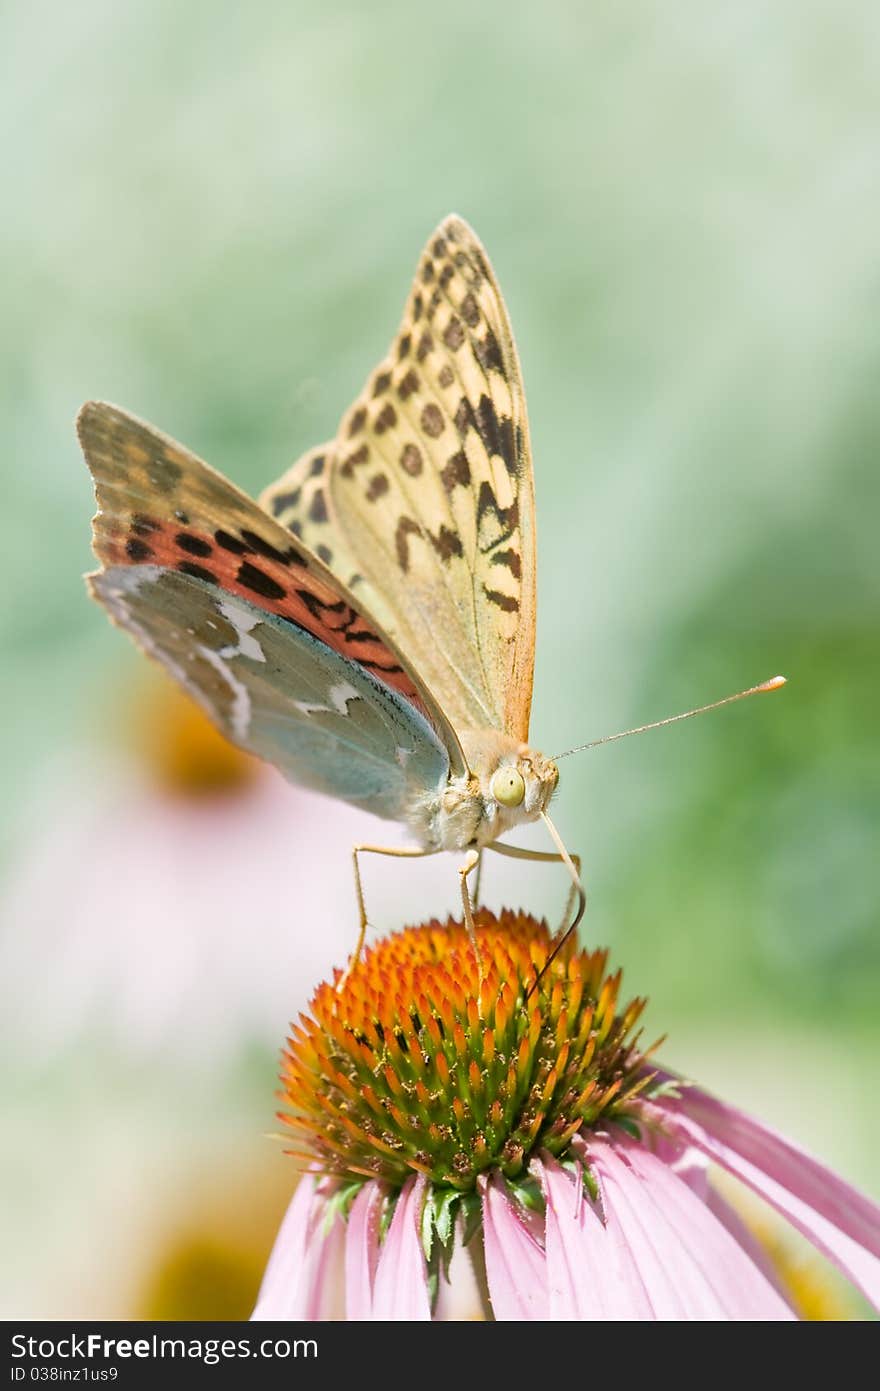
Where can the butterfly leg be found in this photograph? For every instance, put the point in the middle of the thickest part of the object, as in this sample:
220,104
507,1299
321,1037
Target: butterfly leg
399,852
518,852
475,896
573,865
471,863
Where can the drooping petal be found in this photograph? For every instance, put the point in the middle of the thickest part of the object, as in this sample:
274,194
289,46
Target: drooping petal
743,1235
286,1289
830,1213
692,1167
689,1163
326,1284
516,1266
362,1251
631,1215
400,1290
700,1271
591,1273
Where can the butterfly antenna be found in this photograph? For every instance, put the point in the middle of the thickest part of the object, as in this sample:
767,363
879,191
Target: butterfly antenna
772,685
582,900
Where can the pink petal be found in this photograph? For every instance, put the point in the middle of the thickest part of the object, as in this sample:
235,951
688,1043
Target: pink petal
835,1217
362,1251
401,1286
661,1298
285,1292
743,1235
696,1268
692,1167
590,1268
326,1282
516,1267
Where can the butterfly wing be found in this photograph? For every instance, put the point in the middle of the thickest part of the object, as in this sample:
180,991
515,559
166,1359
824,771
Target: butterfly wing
278,692
162,508
427,497
300,502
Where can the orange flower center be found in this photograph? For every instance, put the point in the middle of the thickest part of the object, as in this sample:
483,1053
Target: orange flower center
427,1059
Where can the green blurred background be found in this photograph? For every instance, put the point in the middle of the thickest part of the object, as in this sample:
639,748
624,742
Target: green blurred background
211,215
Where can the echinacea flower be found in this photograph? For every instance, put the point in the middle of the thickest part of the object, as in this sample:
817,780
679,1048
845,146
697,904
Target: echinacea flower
485,1139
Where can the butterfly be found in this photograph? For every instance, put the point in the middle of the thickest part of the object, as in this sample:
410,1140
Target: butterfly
368,626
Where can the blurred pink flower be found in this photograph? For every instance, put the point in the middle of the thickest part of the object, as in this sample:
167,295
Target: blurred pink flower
162,921
176,894
610,1215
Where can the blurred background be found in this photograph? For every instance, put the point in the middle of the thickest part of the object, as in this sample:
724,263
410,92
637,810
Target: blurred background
211,216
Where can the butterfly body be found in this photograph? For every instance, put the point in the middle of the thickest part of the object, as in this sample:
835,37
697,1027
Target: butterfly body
368,626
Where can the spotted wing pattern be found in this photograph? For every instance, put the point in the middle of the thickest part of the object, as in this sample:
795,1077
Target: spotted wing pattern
300,501
426,496
278,692
159,505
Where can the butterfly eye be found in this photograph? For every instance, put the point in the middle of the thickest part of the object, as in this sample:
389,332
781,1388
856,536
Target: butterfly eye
508,787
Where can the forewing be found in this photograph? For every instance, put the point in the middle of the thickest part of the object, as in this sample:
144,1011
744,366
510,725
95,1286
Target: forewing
300,502
159,505
426,499
278,692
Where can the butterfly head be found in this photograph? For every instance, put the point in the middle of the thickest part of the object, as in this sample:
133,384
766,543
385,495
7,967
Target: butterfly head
520,788
509,784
